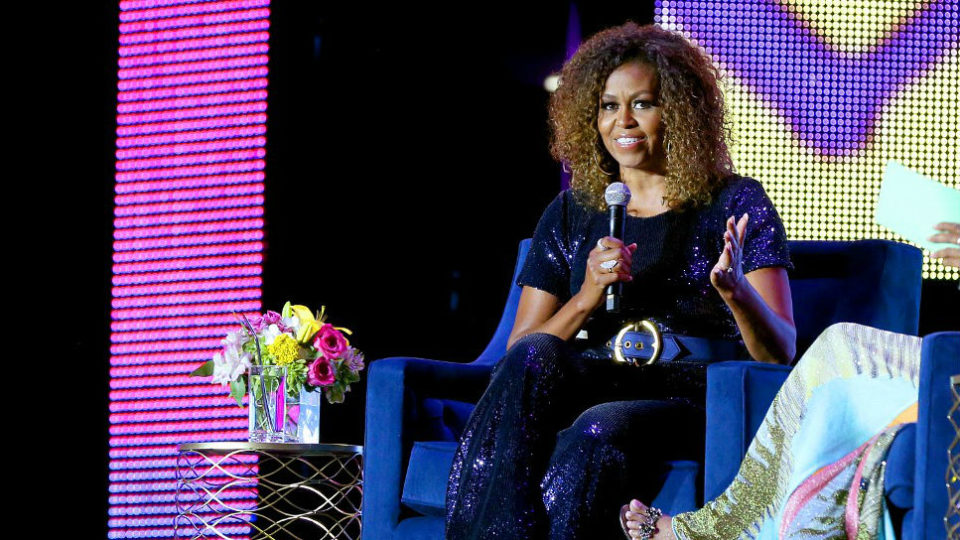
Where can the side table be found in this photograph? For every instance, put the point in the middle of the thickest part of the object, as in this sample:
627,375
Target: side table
303,490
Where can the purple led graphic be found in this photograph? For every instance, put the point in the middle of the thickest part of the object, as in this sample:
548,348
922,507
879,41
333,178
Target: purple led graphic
192,78
179,172
138,11
156,47
830,99
192,101
194,90
180,126
153,20
191,33
188,244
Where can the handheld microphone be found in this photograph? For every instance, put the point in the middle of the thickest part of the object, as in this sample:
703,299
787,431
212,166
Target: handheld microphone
617,196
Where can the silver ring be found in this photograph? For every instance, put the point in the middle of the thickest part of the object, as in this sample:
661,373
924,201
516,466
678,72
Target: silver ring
609,265
729,269
649,528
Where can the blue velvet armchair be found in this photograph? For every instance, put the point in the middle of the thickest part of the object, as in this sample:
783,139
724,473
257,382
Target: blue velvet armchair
416,408
876,283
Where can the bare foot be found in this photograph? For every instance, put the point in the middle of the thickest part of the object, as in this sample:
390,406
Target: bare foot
634,519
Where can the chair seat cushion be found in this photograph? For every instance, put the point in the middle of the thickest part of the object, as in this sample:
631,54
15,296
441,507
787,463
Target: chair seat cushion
425,487
420,528
901,463
679,490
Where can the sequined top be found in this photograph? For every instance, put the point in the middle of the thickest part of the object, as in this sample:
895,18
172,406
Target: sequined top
671,267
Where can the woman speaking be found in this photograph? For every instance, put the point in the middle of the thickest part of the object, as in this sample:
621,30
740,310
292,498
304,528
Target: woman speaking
564,433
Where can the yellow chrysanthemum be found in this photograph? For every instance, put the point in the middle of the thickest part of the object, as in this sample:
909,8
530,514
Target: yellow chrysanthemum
285,349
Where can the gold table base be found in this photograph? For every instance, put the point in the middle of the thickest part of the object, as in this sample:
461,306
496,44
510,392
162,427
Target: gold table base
304,490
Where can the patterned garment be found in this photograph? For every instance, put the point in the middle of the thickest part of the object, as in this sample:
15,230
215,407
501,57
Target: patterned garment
815,467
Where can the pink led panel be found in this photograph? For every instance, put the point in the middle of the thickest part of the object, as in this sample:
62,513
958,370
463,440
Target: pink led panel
188,240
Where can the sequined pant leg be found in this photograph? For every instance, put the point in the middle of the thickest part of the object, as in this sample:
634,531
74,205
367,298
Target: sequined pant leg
613,452
494,487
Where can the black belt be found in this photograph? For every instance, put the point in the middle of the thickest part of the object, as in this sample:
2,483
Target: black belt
643,343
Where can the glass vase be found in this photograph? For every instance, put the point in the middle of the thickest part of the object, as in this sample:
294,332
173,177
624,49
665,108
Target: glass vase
303,417
267,387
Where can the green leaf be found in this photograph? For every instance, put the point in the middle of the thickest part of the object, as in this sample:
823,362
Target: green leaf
237,389
334,394
286,311
205,370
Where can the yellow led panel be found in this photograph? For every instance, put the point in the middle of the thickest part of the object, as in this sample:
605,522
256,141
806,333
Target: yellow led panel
822,95
852,26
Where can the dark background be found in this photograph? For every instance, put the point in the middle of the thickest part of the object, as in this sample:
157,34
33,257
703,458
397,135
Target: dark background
406,158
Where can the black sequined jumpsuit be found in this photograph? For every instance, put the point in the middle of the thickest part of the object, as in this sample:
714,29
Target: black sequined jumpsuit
561,439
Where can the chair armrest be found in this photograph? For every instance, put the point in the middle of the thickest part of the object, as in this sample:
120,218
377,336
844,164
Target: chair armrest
939,359
738,396
391,386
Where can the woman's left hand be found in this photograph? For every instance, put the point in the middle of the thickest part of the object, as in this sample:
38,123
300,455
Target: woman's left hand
727,274
948,233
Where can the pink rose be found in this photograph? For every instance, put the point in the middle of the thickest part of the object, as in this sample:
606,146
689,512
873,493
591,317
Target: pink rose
330,342
321,373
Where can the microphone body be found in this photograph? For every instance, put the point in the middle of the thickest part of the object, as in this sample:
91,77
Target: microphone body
617,196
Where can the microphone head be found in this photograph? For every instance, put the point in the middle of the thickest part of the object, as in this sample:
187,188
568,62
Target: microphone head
617,194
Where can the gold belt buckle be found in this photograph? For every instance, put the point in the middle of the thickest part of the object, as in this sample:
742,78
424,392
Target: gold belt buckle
651,328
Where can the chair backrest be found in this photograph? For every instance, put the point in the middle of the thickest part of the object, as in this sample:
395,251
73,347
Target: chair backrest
871,282
498,344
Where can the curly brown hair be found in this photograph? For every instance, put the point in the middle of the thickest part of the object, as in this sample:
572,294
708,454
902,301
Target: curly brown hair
695,132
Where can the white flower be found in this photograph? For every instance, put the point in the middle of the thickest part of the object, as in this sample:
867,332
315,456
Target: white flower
221,371
234,342
292,322
239,363
229,365
270,333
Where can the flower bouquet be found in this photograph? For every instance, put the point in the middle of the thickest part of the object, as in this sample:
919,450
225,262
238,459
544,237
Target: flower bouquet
312,355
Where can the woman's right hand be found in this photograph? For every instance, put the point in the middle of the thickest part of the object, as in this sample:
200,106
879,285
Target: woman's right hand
609,262
540,311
